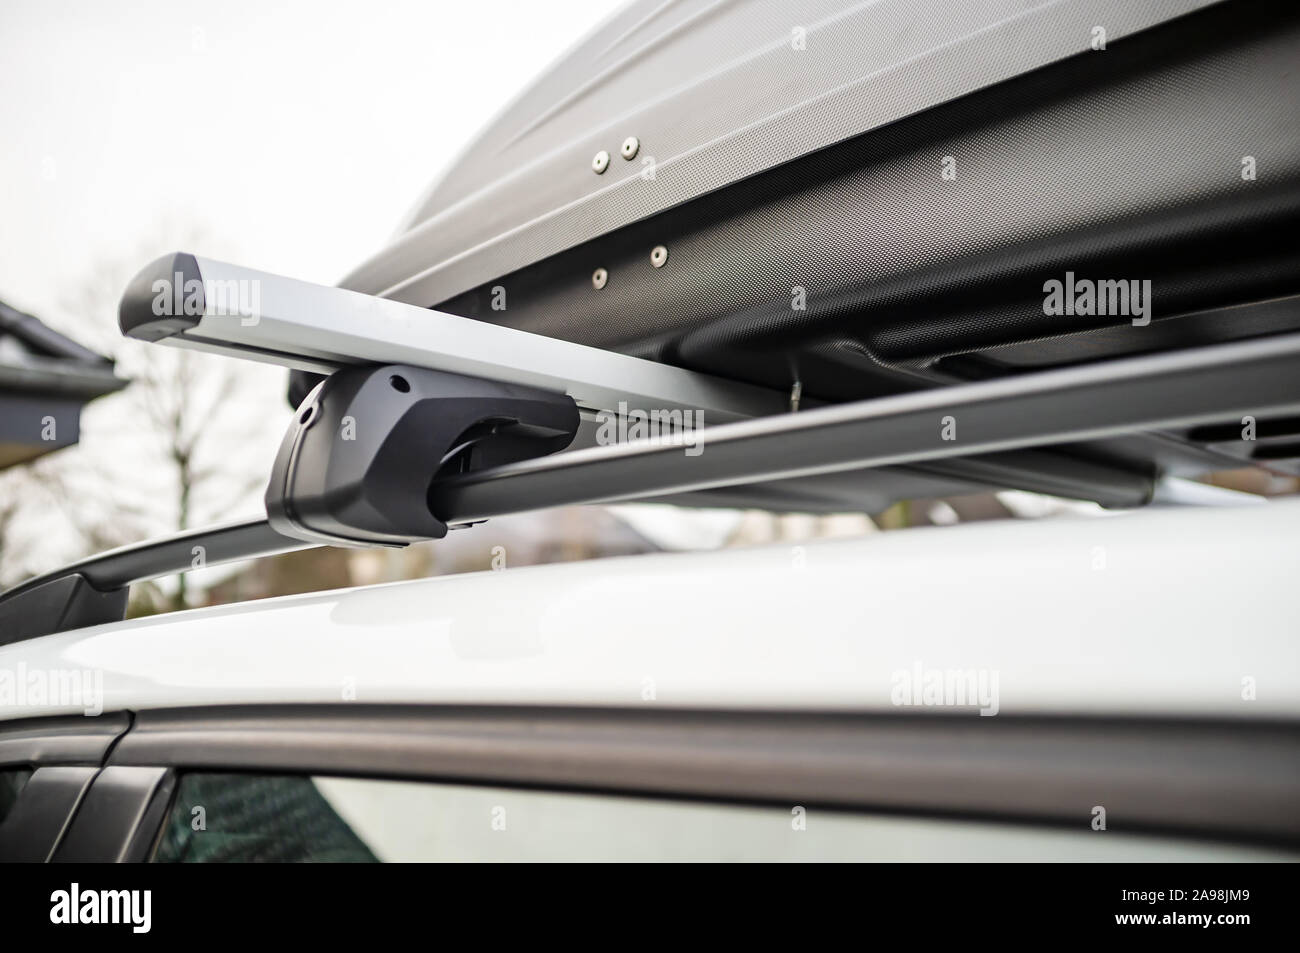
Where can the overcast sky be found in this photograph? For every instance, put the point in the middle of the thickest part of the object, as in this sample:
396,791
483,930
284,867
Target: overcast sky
287,135
296,134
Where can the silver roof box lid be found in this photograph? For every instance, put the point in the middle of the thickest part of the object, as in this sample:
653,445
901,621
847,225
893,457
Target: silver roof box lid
702,94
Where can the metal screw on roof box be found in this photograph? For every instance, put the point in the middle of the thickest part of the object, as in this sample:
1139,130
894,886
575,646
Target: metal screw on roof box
658,256
630,145
598,278
601,162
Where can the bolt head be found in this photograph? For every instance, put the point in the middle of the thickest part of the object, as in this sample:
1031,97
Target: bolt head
658,256
630,146
598,278
601,162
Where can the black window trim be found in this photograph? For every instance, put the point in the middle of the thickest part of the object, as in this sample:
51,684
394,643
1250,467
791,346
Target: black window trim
1232,780
65,754
64,740
1227,780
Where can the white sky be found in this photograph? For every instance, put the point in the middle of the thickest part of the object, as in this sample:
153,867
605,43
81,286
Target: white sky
291,136
297,134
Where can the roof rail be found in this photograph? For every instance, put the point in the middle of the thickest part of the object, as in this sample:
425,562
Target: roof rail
986,419
94,590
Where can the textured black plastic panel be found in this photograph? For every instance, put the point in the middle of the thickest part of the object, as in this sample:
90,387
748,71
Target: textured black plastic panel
1125,163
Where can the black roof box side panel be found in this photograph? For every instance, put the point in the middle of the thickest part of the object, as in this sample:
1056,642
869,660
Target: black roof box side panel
858,267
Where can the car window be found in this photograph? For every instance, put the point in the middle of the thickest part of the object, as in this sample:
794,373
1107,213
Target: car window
245,817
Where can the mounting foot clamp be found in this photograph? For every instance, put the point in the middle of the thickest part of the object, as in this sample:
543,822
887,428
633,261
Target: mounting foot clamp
366,444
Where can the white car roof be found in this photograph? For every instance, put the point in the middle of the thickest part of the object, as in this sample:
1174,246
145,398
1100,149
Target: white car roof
1163,611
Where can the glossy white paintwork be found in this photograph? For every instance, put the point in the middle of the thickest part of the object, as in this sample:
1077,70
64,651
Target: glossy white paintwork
1160,611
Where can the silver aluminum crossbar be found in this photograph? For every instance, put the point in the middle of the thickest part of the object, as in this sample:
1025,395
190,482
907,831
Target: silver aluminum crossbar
186,301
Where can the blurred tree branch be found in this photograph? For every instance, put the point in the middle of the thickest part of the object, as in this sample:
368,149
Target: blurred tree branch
159,456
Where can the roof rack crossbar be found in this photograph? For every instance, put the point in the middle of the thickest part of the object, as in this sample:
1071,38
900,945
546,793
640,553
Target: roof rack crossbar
1183,388
1159,391
186,301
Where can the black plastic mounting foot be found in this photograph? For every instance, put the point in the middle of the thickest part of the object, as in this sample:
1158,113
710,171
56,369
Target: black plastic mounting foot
56,605
367,442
